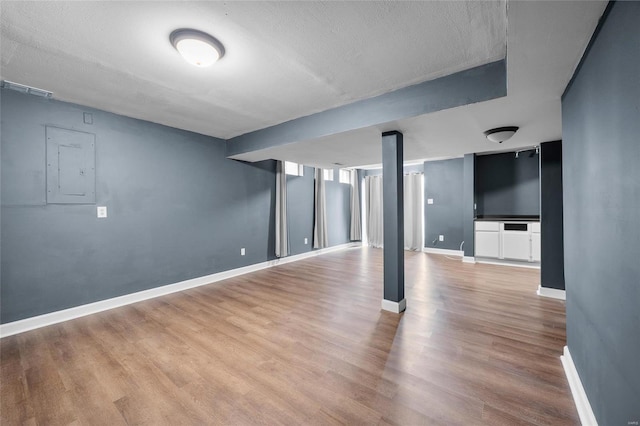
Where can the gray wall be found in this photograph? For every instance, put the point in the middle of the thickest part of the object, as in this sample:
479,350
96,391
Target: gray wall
177,209
338,210
443,182
551,223
300,211
507,186
300,202
601,177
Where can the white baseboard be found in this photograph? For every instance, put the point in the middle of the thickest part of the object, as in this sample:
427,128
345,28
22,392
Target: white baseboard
503,262
577,391
468,259
551,292
44,320
395,307
450,252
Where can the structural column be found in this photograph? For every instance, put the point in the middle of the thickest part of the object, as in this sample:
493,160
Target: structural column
393,222
469,207
551,221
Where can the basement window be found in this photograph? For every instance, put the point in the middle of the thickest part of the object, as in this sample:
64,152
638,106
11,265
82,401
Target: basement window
293,169
345,176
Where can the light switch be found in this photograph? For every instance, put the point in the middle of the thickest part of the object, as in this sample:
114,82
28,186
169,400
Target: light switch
441,238
242,251
102,212
429,200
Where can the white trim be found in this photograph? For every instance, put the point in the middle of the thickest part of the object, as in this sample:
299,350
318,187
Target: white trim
468,259
44,320
577,391
551,292
501,262
450,252
395,307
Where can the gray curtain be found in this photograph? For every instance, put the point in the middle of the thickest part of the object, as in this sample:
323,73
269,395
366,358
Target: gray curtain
373,189
355,230
413,205
320,237
282,234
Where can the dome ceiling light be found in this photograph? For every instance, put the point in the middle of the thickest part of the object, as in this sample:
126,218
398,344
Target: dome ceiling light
197,47
500,134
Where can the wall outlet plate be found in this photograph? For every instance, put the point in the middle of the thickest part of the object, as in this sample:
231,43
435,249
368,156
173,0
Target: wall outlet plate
102,211
306,241
441,238
242,252
429,200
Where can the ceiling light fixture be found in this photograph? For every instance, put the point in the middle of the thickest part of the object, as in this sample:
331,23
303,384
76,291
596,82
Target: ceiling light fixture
500,134
196,47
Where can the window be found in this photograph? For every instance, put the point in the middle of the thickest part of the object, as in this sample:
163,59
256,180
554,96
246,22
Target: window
293,169
328,174
345,176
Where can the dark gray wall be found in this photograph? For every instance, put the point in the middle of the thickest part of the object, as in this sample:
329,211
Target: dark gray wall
443,182
392,217
601,180
507,186
552,247
177,209
300,211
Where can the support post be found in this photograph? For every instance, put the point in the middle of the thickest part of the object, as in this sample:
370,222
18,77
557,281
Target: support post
468,207
393,221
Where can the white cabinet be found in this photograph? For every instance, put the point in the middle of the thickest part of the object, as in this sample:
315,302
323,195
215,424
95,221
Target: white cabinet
488,243
516,245
487,239
510,240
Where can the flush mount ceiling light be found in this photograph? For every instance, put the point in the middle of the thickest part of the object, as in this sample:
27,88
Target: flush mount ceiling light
500,134
196,47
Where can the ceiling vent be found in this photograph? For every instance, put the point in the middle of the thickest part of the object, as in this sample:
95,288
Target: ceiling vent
5,84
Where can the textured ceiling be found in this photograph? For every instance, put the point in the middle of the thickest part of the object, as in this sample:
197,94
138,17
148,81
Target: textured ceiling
284,59
545,42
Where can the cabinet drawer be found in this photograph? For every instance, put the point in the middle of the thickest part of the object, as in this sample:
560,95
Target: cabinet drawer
487,226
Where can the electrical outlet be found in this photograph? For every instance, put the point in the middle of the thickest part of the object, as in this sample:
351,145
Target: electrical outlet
429,200
242,252
102,211
306,241
441,238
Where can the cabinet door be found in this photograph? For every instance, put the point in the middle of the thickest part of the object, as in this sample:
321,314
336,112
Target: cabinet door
535,247
516,245
487,244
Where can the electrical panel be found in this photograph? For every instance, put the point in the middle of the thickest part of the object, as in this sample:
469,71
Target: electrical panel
71,166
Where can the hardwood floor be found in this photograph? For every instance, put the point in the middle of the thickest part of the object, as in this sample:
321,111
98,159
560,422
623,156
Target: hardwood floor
305,343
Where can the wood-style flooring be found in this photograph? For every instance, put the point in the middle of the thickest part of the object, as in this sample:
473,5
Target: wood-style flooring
305,343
